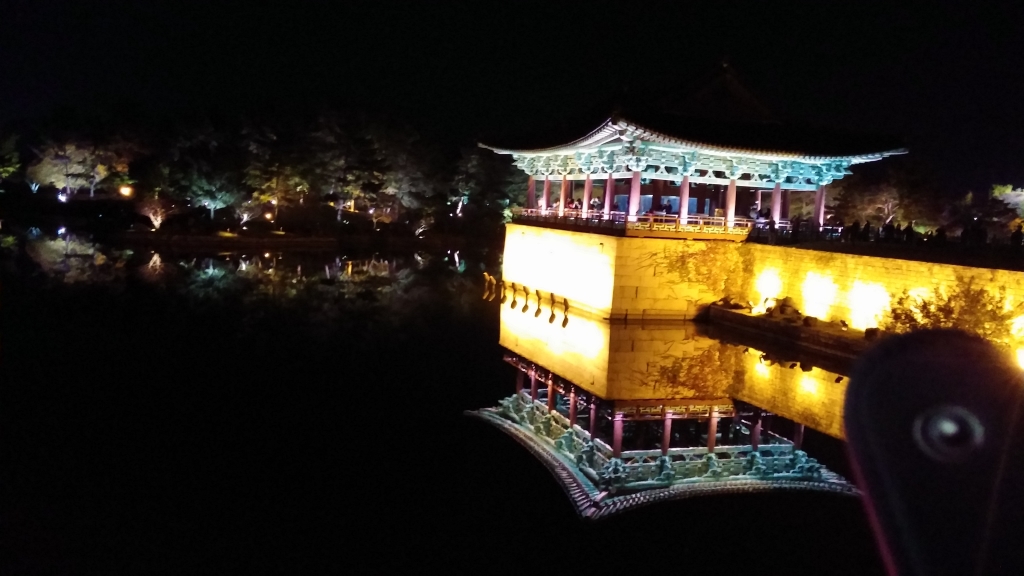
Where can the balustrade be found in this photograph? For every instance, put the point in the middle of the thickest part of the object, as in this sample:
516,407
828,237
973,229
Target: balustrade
644,469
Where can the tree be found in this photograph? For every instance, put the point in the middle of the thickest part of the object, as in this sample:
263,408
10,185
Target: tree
66,166
488,184
1013,197
273,169
156,209
9,160
876,203
205,167
328,150
247,211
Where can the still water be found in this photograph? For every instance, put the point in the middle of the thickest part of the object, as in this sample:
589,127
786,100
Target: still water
303,413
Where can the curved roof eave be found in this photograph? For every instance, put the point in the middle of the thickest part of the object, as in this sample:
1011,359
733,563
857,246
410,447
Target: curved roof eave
614,128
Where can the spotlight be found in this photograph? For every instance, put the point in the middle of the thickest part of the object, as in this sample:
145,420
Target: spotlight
551,319
839,379
565,304
526,306
793,365
537,313
565,321
514,303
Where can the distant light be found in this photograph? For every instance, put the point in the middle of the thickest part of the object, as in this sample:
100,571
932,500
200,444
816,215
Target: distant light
274,201
62,197
266,255
268,216
60,231
125,191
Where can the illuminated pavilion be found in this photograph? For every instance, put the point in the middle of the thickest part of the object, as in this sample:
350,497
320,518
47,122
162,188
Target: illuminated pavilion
685,175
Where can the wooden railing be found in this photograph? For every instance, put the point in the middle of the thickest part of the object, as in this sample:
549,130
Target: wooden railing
669,223
644,469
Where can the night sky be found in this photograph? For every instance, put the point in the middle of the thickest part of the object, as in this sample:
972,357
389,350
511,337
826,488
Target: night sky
948,79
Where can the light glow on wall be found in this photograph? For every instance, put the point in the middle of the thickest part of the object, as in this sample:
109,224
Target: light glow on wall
579,267
868,302
808,384
819,292
761,370
768,284
1020,357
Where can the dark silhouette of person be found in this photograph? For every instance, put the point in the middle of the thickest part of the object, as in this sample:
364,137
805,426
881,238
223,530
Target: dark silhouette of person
940,235
1017,237
855,231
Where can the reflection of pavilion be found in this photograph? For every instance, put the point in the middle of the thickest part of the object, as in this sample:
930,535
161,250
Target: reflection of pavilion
626,415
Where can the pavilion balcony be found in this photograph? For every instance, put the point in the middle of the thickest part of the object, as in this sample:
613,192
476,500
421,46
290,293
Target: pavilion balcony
693,227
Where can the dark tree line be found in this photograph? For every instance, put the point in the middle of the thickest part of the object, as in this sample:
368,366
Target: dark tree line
242,171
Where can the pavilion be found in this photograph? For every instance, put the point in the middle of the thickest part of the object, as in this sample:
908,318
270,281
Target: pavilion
688,174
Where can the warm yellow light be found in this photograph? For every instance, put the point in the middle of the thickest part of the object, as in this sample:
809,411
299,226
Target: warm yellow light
575,266
819,293
1020,357
268,216
1017,326
868,301
809,384
761,370
125,190
548,343
768,284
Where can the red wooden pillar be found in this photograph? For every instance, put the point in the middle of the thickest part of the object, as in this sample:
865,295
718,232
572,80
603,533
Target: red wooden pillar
712,431
798,436
563,197
593,418
545,202
730,203
684,200
551,394
666,434
819,207
531,193
634,196
533,385
519,381
609,195
755,432
588,192
617,435
777,202
657,186
572,405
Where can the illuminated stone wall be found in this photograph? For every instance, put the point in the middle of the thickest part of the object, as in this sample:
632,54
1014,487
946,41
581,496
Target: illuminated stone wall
857,289
651,278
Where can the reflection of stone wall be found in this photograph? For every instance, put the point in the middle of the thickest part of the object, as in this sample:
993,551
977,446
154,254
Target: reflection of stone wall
652,278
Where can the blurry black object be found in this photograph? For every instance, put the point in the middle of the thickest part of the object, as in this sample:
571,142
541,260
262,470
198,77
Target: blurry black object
933,421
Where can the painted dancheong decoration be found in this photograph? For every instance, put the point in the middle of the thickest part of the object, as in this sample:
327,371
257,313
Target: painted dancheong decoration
662,158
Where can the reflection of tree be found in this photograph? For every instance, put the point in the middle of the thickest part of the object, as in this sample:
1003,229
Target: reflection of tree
73,261
705,375
715,265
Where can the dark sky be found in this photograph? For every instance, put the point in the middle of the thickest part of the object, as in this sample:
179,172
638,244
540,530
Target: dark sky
947,77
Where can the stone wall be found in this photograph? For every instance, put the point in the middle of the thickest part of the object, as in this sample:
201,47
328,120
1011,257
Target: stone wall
666,279
857,289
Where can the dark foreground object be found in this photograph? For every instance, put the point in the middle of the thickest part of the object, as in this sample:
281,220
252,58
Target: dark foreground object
933,421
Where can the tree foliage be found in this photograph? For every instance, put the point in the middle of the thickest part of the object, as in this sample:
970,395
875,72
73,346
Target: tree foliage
967,305
10,162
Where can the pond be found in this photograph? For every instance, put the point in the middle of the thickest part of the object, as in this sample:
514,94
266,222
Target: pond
233,413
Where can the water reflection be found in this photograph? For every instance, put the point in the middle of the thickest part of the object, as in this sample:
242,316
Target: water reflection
626,362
